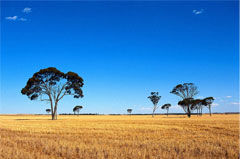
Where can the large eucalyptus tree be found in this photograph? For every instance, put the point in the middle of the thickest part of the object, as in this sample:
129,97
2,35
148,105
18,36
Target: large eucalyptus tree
52,85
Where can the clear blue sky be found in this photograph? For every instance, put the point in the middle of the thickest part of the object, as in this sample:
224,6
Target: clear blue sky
123,51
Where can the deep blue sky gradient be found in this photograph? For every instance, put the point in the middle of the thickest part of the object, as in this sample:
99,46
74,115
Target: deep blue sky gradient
123,51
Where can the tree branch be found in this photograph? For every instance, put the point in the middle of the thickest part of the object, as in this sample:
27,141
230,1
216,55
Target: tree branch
59,92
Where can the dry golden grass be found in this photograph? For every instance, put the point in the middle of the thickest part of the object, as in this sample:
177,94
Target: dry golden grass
135,137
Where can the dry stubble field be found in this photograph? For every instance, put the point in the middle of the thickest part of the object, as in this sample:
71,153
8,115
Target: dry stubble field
135,137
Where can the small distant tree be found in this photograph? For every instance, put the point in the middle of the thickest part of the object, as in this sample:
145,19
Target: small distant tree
208,103
77,109
154,97
129,111
52,85
166,106
48,110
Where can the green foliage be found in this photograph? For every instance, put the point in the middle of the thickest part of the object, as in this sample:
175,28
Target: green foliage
208,101
77,108
43,82
154,97
186,90
129,111
166,106
48,110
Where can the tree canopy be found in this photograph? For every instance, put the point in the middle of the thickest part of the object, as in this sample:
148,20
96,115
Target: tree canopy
166,106
208,102
77,108
48,110
129,111
188,105
186,90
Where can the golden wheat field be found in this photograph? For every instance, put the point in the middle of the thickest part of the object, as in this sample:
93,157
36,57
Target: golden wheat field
122,136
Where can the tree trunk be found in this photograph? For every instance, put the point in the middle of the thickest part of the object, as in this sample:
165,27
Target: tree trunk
188,112
54,115
52,111
209,107
153,110
167,112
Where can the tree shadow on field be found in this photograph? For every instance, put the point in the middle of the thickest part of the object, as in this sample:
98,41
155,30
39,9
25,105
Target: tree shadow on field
175,117
22,119
35,119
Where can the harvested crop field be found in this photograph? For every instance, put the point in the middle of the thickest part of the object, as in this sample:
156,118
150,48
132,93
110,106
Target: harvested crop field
119,136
